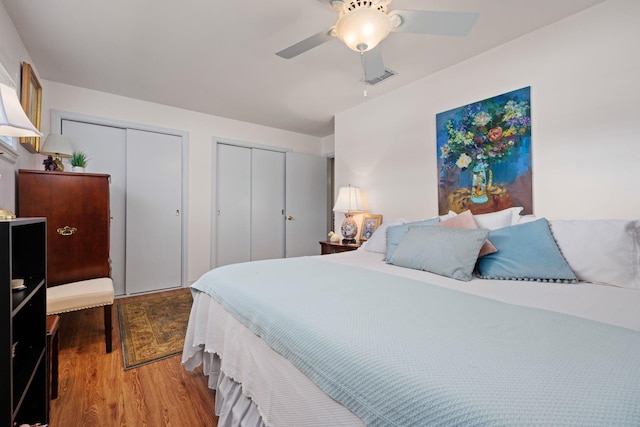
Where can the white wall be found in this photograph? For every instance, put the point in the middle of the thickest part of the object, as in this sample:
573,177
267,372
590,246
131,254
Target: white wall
585,98
328,145
12,54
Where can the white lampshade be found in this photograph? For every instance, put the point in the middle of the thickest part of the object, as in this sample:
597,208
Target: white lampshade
362,29
57,145
349,200
13,120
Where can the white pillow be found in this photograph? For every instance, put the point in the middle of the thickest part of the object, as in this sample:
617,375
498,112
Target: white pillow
378,240
526,218
448,215
500,219
601,251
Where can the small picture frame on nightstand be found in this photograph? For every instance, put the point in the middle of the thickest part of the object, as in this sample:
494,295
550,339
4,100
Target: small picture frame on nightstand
370,222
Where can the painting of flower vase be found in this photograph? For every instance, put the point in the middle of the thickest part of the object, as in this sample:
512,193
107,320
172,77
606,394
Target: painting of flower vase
484,155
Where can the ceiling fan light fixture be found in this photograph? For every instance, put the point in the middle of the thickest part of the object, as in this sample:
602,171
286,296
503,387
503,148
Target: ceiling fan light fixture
363,28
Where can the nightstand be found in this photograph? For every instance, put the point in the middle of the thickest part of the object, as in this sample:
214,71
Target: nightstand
337,247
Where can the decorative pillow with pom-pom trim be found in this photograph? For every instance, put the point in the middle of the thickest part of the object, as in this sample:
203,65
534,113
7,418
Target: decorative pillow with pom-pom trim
525,252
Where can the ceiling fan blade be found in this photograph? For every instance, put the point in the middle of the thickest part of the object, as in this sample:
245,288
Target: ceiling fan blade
373,64
434,22
306,44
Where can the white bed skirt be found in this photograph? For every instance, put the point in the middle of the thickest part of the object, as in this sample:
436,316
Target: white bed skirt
233,408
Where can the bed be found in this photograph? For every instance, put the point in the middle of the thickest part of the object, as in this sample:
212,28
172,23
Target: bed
368,338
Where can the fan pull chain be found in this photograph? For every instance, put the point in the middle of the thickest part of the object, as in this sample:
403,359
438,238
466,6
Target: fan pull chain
364,68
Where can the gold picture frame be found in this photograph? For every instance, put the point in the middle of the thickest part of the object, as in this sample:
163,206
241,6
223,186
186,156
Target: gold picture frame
370,223
31,100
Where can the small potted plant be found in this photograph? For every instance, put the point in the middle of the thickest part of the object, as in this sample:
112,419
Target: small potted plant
78,161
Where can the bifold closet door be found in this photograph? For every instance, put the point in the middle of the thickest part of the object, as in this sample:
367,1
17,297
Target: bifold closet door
233,202
249,204
154,211
106,148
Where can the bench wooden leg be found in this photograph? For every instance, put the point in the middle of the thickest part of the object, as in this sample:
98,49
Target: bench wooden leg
108,328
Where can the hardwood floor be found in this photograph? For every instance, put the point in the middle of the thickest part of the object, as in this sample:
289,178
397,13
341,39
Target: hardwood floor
95,390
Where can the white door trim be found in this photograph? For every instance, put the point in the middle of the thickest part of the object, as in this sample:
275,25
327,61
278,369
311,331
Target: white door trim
245,144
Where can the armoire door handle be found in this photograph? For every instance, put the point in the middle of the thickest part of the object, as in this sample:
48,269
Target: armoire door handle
66,230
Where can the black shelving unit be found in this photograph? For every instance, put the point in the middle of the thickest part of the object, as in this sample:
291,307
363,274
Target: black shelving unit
23,358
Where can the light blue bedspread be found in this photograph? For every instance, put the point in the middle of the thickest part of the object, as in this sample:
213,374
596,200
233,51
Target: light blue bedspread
396,351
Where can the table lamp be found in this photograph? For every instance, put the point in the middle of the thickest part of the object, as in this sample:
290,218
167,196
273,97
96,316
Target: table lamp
57,146
349,202
13,122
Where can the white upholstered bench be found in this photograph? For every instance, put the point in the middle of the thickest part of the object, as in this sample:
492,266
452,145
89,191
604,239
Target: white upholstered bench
82,295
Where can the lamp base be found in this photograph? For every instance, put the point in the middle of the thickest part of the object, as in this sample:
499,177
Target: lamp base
59,165
349,229
6,214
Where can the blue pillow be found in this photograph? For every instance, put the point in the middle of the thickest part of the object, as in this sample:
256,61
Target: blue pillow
450,252
525,252
397,232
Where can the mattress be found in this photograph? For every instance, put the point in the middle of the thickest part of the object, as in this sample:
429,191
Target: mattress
285,396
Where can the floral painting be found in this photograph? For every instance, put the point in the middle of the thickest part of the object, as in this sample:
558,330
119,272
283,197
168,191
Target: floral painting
484,155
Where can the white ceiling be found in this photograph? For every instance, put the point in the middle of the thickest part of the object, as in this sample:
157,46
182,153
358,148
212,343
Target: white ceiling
218,57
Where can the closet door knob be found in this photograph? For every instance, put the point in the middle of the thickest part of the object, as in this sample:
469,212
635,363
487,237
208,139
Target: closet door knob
290,218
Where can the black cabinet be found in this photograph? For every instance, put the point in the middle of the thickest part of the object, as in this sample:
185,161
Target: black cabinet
23,359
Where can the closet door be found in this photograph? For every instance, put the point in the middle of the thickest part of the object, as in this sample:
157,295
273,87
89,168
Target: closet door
306,193
267,204
233,204
106,149
154,211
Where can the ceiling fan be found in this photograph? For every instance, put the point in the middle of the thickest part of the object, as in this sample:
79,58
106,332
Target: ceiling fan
363,24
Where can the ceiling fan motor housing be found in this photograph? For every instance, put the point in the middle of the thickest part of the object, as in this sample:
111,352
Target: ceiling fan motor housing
363,24
379,5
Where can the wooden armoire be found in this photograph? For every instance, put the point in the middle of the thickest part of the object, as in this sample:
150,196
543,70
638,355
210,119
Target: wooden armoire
76,206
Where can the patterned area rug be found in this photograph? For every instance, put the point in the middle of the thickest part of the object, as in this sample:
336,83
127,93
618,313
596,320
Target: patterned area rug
153,329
